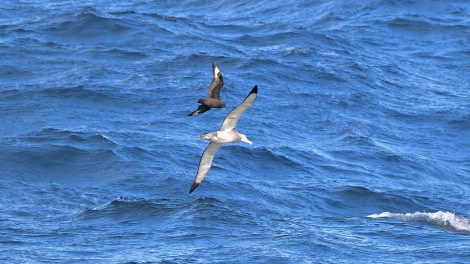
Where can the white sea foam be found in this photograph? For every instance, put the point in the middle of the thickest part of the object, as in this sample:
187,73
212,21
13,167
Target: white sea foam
445,219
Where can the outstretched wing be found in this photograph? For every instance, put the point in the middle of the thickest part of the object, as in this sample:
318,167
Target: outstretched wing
205,164
232,118
216,84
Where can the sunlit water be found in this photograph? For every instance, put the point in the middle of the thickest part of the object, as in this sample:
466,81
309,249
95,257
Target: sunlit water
361,132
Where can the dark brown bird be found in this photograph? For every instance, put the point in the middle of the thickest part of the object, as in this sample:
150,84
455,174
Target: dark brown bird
213,96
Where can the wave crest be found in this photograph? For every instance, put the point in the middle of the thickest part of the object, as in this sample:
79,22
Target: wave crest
446,220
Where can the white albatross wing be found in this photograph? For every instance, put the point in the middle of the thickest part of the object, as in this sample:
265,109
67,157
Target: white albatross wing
205,164
232,118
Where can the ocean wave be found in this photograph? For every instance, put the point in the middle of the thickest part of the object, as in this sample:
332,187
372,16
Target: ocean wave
444,220
283,160
79,139
14,74
87,25
59,163
63,156
80,92
130,208
412,25
12,94
358,198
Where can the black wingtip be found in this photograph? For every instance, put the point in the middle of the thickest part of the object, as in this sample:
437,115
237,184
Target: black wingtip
254,90
193,187
201,109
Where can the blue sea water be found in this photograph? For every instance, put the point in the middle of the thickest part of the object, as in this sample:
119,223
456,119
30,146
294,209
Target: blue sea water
361,132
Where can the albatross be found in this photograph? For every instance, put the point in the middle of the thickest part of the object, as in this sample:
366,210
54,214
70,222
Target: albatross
213,95
226,134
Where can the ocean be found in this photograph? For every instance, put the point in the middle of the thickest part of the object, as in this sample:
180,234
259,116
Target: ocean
360,131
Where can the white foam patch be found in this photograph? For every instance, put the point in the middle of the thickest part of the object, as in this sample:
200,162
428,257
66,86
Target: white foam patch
445,219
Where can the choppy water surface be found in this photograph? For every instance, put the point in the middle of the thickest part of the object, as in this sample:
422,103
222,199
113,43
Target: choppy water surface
361,132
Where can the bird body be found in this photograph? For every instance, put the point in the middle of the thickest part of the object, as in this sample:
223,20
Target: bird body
213,94
226,136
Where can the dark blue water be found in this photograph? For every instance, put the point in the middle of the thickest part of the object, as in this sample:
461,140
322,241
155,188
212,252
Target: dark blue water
361,132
